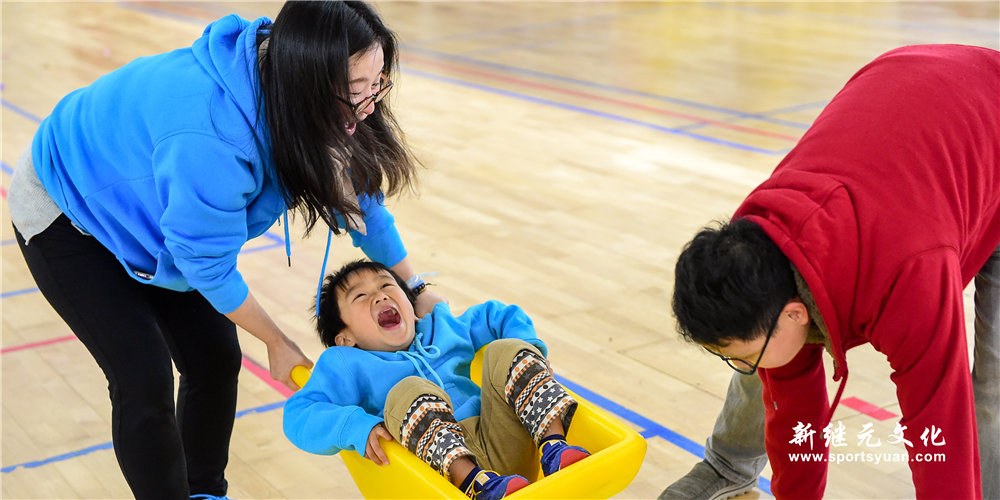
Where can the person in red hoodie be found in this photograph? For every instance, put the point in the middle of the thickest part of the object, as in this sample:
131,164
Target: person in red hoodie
867,232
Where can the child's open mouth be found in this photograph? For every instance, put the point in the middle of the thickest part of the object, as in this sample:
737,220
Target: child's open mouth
389,318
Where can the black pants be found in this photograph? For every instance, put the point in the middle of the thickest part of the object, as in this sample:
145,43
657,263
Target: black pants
133,331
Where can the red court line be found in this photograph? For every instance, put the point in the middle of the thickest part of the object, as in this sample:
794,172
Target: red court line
164,13
37,344
867,408
250,365
3,191
265,375
585,95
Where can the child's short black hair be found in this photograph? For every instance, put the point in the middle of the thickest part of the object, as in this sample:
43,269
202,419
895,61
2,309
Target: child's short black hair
730,282
329,324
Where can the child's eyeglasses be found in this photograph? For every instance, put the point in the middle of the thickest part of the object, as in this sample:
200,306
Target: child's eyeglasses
384,84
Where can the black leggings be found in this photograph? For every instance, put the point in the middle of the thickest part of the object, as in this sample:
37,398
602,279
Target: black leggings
133,331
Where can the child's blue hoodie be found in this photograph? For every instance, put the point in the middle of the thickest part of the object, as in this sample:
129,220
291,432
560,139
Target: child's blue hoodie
168,164
345,395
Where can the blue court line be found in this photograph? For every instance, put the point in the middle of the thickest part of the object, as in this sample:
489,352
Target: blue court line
109,445
539,100
277,241
20,111
7,168
162,13
58,458
260,409
503,48
855,21
621,90
698,125
651,428
677,131
771,113
576,21
798,107
17,292
444,55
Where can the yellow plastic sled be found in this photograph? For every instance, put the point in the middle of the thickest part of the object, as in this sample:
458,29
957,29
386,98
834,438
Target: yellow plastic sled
616,454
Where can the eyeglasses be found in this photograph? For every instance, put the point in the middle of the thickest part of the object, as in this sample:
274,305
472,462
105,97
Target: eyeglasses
741,365
384,84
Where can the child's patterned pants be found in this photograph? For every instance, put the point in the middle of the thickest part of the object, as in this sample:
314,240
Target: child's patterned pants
520,400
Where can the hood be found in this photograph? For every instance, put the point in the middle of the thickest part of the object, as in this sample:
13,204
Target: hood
809,217
227,50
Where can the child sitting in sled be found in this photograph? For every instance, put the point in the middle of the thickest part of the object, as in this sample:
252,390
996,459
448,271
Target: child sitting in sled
388,375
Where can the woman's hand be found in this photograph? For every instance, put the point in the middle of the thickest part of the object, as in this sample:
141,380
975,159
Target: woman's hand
426,300
373,450
282,353
425,303
282,356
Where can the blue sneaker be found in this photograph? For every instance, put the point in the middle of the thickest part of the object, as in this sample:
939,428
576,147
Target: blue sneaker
210,497
489,485
557,454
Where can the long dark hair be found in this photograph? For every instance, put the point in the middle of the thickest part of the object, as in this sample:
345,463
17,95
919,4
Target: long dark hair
302,71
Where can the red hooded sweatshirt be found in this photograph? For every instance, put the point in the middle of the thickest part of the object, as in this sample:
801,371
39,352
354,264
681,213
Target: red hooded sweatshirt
888,206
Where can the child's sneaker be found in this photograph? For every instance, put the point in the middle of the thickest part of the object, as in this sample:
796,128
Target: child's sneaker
557,454
489,485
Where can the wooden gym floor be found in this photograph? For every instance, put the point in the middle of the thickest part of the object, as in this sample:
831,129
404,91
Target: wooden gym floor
571,150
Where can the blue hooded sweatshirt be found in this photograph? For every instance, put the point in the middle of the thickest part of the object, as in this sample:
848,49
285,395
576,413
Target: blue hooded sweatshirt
345,395
167,163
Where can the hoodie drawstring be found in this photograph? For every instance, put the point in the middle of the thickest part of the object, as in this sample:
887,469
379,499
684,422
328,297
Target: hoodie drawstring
288,242
419,362
322,271
836,400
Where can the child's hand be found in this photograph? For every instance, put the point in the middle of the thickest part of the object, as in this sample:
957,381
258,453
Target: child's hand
373,450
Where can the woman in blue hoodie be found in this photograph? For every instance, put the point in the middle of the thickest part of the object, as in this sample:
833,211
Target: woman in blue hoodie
138,192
